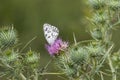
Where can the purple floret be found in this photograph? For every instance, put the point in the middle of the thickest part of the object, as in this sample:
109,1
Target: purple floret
57,46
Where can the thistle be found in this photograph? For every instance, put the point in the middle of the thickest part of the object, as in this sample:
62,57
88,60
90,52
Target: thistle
56,47
32,58
8,37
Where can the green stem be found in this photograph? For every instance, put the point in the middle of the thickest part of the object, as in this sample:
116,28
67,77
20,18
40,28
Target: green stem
112,68
52,73
36,76
117,23
27,44
83,42
22,76
102,78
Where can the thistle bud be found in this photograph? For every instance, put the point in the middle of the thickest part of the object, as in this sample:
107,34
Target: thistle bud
32,57
72,61
8,37
96,34
10,56
97,4
96,50
78,56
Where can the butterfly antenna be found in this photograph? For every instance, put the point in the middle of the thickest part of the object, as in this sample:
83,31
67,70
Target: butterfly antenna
74,38
28,43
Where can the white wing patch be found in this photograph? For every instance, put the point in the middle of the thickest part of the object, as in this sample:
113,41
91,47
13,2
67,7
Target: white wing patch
50,32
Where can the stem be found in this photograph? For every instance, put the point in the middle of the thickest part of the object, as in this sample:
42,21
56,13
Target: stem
36,76
101,76
52,73
27,44
86,41
117,23
22,76
74,39
48,63
81,42
112,68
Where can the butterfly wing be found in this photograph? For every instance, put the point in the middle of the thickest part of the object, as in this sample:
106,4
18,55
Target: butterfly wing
50,32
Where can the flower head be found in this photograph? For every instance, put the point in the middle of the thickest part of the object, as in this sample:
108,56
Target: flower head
57,46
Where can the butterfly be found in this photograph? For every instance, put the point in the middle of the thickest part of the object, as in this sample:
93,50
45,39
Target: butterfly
50,32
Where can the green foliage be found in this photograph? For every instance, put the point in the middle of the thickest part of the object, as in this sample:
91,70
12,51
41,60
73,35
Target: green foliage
16,65
86,59
114,4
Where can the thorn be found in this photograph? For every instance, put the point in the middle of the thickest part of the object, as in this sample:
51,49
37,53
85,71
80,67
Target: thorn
74,38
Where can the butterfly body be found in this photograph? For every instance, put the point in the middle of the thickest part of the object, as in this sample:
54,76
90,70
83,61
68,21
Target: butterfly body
50,32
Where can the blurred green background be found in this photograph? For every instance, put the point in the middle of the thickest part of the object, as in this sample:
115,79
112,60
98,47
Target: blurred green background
28,17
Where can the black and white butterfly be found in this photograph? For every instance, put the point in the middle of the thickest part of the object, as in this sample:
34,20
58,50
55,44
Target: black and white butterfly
50,32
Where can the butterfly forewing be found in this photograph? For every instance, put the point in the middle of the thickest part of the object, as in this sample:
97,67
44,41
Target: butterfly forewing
50,32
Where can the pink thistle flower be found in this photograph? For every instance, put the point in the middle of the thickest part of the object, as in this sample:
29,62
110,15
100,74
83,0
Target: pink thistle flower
56,47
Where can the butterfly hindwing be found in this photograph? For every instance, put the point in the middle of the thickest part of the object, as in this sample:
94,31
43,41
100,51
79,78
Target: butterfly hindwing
50,32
